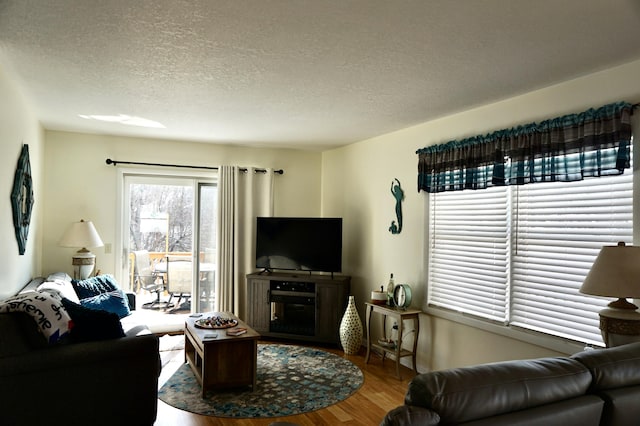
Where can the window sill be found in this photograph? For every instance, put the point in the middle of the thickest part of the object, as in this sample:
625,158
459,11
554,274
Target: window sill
558,344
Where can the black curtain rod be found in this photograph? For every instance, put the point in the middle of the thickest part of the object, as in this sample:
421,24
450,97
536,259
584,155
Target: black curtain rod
115,163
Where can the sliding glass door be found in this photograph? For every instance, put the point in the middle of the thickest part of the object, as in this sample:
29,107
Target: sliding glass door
206,245
168,240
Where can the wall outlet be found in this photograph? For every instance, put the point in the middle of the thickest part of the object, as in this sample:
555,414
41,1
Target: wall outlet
107,248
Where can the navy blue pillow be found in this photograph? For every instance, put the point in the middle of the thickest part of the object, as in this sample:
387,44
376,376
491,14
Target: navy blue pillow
114,301
94,286
102,292
92,324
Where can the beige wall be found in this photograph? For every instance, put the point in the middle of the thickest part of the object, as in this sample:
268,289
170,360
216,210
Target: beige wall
79,185
73,182
18,125
355,185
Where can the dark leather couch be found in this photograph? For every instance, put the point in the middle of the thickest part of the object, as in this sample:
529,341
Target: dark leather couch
108,382
595,387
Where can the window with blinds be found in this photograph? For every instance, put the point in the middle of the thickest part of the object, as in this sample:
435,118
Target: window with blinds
519,254
469,252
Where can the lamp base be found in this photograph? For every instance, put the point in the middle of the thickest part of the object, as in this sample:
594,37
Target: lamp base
619,326
83,263
622,303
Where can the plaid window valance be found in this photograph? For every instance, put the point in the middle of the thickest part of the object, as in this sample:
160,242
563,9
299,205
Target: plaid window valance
592,143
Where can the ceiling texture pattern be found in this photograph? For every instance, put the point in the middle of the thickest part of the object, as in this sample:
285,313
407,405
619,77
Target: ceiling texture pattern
304,74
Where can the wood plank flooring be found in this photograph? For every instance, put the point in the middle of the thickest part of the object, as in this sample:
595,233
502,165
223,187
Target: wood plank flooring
381,392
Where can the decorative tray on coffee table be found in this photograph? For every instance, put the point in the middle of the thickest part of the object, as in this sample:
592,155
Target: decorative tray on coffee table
215,322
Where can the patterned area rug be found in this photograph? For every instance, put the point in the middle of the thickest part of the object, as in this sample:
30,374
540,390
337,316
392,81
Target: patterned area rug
291,380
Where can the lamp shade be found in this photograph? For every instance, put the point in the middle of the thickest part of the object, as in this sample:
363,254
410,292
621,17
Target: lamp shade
81,234
615,273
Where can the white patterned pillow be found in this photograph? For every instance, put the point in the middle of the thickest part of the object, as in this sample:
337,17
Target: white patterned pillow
46,309
59,276
60,287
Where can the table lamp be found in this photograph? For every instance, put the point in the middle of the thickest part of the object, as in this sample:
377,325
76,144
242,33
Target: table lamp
616,273
82,234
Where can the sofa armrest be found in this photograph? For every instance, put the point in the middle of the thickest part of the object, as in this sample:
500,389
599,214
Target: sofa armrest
411,415
131,298
83,382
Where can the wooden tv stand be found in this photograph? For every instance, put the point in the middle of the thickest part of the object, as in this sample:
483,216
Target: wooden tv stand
313,305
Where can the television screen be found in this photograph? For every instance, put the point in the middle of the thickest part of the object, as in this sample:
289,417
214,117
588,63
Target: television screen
301,244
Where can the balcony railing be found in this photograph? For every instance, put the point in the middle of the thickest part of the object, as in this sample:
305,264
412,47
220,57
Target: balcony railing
156,257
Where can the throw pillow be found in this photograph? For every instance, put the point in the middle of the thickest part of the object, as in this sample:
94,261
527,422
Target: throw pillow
59,276
113,301
61,288
92,324
46,309
102,292
94,285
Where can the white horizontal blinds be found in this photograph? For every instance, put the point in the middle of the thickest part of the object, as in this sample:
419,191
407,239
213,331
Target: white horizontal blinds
559,230
469,252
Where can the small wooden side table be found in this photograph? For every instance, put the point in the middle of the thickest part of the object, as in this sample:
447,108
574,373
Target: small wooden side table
399,315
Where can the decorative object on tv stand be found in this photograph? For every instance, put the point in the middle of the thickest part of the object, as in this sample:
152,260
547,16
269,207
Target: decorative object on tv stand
82,234
351,329
616,273
22,199
398,194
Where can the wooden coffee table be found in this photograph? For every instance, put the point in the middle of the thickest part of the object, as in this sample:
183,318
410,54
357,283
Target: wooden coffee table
222,362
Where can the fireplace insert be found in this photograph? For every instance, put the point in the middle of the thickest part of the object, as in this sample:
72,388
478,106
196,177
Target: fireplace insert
293,307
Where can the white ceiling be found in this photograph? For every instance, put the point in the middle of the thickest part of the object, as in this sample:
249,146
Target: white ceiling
311,74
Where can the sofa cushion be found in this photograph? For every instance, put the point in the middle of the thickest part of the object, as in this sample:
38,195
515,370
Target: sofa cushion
612,367
621,406
497,388
45,309
584,411
92,324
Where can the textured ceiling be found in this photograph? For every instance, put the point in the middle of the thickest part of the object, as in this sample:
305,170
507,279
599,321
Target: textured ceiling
298,73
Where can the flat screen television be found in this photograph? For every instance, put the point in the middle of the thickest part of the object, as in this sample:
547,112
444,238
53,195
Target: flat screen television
299,244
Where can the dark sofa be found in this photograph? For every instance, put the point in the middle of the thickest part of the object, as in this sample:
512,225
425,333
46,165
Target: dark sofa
104,382
594,387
